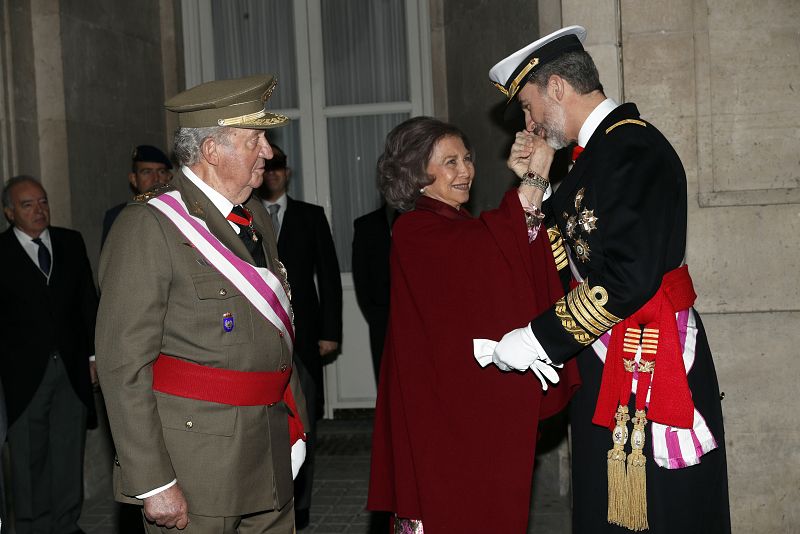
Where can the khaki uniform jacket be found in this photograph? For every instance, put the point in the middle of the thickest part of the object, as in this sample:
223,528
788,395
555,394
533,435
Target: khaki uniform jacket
159,295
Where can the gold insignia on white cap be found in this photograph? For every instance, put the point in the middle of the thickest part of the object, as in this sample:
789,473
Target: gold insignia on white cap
509,74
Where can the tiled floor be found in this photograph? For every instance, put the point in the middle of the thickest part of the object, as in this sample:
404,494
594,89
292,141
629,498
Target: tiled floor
340,492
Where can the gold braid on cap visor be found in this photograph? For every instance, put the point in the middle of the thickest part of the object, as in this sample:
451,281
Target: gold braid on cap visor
512,90
241,119
232,121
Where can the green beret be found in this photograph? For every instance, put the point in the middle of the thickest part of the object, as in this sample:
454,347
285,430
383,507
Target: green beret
240,103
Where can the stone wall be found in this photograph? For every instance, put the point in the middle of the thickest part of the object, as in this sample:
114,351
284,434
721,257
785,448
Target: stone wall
114,90
477,34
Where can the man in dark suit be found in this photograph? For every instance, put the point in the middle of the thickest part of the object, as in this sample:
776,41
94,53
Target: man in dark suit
150,167
47,328
372,241
305,246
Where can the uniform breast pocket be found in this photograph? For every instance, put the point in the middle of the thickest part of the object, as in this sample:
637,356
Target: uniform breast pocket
223,315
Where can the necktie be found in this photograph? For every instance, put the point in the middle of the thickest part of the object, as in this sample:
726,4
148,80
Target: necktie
242,217
576,151
273,213
44,257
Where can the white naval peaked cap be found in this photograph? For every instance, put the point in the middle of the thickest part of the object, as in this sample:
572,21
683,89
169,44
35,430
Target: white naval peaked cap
510,74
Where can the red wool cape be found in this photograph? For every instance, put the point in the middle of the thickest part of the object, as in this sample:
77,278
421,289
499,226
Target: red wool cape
454,443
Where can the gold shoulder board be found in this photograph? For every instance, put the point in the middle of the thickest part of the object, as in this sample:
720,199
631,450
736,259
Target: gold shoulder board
153,193
626,121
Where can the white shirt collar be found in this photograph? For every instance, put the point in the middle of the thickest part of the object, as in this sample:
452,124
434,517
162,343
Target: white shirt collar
27,241
223,204
594,119
32,249
281,202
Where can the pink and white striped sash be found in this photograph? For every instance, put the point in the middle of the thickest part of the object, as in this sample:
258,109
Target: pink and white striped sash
674,448
258,285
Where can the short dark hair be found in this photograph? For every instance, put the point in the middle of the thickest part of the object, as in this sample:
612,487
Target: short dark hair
402,166
15,181
577,68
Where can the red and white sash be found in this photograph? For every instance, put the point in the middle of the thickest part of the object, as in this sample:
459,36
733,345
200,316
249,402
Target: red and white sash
673,448
258,285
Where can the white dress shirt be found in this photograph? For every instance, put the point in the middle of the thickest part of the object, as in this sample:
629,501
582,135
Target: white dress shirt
32,249
282,202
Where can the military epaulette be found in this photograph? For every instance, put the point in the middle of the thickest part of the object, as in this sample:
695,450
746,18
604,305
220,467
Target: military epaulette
625,121
153,193
557,245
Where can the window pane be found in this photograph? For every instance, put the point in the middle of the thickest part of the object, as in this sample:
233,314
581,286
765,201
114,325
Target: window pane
354,144
364,49
256,37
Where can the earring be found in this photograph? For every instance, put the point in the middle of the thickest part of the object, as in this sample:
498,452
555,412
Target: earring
421,190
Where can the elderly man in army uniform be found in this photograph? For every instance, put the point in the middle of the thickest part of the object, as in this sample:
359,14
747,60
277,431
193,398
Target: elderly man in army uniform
195,335
617,226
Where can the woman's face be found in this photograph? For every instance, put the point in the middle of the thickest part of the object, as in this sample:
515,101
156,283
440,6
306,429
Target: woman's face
452,171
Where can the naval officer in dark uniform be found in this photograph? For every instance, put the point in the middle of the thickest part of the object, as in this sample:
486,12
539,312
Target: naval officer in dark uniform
617,226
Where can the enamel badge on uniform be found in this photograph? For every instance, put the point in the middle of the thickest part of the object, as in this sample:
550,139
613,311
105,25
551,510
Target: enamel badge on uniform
227,321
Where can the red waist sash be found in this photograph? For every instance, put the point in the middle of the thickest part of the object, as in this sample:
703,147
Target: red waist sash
661,358
237,388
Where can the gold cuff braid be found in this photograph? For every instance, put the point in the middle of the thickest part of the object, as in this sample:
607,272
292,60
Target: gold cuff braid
569,324
557,245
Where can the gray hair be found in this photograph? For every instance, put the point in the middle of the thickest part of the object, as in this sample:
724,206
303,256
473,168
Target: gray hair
188,142
15,181
577,68
402,168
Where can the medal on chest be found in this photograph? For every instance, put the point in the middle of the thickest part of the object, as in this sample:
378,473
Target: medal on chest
578,226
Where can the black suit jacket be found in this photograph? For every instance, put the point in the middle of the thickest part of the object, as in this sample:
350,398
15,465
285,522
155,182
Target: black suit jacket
37,318
305,246
372,241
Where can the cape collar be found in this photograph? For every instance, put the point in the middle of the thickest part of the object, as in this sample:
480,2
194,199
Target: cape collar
424,203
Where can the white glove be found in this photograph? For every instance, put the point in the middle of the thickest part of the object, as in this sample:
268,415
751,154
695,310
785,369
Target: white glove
298,456
518,350
545,367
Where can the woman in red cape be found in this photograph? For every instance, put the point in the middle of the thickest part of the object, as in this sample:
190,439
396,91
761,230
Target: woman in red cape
453,444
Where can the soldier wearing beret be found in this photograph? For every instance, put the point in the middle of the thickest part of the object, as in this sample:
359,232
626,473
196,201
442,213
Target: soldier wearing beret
647,423
150,167
195,335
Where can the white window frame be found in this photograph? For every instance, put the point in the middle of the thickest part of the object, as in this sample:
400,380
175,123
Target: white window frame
313,113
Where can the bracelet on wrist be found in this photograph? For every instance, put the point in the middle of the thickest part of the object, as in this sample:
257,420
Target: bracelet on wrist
534,179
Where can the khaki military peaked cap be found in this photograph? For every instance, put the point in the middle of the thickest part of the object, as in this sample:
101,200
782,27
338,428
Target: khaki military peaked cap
240,103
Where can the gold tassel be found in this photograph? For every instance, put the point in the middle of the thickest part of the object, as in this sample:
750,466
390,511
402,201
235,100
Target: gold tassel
617,487
637,478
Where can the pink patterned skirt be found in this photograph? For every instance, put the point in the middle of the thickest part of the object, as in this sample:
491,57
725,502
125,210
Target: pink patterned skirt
403,525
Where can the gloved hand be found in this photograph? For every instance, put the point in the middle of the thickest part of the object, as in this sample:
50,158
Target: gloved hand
542,368
298,456
519,350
